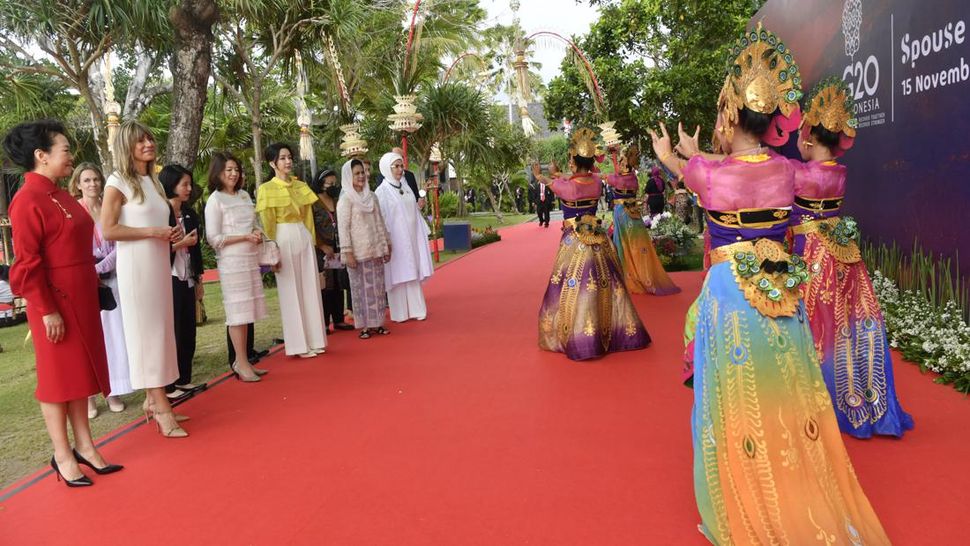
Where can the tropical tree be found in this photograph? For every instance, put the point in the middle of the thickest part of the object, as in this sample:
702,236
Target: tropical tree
257,41
67,40
191,66
652,62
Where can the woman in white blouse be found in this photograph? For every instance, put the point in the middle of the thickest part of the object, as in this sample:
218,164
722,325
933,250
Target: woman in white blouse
230,220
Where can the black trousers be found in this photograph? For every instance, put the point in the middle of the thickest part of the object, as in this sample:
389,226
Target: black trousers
250,335
183,300
542,209
333,306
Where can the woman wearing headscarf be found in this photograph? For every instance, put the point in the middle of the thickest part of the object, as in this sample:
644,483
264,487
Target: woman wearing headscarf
365,247
284,204
411,261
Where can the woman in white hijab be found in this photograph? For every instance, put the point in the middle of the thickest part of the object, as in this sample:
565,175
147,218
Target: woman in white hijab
365,247
411,260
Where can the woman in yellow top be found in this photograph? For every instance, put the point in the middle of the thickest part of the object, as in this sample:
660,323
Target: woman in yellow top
284,205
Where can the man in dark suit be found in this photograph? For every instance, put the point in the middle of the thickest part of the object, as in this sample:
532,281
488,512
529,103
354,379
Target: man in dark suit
543,198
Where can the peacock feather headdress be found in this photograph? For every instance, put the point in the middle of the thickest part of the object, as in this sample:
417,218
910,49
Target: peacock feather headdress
583,143
762,75
830,105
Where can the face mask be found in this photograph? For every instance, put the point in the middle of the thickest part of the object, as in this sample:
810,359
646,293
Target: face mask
333,191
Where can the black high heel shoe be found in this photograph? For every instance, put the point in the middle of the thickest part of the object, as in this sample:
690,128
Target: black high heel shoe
83,481
108,469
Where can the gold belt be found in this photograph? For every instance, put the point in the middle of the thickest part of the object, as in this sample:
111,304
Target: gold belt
586,219
768,276
848,253
810,226
630,201
765,248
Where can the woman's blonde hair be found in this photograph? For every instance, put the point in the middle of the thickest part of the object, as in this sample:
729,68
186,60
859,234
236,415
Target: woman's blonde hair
130,133
73,186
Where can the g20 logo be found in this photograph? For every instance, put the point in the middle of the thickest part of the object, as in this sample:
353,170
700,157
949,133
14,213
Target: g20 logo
862,78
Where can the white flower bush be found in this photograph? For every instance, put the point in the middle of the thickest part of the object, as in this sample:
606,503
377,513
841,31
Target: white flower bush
938,339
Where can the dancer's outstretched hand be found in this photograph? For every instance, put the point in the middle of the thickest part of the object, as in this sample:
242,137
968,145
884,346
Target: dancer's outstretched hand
662,146
687,145
553,169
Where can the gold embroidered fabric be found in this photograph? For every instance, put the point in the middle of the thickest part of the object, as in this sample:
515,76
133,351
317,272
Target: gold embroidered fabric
845,251
768,276
588,229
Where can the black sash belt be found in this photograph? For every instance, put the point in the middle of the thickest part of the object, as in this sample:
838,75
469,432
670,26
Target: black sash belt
582,203
750,218
818,204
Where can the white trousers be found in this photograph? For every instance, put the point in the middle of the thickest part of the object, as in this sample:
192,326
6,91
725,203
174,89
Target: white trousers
406,301
299,291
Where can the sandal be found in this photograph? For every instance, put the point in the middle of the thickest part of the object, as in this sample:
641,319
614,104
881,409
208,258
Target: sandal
364,334
382,331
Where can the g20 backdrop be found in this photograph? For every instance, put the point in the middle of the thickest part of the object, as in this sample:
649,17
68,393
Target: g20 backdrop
907,63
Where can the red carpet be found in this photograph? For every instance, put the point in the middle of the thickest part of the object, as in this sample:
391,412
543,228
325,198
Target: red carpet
459,431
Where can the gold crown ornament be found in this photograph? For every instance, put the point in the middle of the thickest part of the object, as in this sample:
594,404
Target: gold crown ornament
830,105
583,143
761,75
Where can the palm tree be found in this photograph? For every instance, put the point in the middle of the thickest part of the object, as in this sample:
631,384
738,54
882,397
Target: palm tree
257,40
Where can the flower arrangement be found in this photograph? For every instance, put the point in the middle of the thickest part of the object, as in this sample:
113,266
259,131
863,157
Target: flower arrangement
671,237
936,337
484,236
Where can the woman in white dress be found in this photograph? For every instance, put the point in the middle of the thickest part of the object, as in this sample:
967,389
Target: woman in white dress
87,184
410,262
135,213
230,221
285,205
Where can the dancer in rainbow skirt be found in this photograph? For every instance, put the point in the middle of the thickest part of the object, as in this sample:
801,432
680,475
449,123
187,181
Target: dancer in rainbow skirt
586,312
770,466
846,321
642,270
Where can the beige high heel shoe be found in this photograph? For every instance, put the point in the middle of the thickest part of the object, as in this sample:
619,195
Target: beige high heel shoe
254,378
167,425
149,408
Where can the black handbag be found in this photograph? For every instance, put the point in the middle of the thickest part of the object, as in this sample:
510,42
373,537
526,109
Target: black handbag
106,298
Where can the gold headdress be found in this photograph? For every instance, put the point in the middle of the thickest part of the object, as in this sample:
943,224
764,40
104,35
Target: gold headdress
583,143
762,76
830,105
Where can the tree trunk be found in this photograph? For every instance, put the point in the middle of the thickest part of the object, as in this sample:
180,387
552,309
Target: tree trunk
6,246
505,184
257,127
496,205
462,210
98,129
191,65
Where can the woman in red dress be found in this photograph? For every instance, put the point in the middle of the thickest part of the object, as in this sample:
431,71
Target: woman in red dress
54,272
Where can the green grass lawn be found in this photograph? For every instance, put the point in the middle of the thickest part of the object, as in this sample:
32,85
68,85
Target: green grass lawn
24,446
479,221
